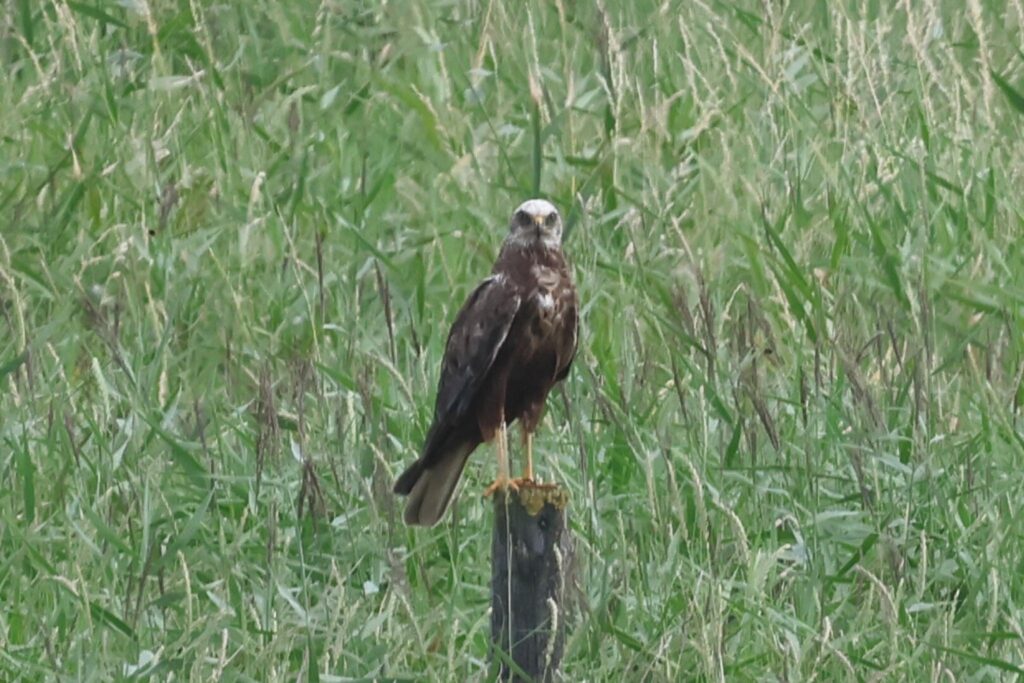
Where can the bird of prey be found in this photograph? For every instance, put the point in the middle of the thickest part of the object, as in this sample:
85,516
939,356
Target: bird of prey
512,341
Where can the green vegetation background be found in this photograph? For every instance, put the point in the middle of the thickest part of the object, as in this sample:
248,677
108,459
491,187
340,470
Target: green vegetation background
233,238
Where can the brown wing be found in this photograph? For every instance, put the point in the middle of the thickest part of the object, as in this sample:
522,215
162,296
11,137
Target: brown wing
571,325
476,337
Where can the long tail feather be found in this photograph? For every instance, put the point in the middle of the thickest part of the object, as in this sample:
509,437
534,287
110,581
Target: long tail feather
430,490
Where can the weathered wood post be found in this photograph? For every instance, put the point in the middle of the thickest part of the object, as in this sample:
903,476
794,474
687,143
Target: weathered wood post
531,553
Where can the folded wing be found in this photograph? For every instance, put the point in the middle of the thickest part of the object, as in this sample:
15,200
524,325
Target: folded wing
474,342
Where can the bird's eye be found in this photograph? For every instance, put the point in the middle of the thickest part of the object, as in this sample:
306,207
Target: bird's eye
522,218
550,220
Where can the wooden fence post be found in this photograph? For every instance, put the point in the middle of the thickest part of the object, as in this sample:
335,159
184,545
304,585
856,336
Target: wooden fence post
531,553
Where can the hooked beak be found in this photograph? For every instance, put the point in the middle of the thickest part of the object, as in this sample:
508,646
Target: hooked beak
539,222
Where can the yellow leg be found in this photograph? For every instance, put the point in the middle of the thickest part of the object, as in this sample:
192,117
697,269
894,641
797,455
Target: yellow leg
502,482
528,473
527,480
502,451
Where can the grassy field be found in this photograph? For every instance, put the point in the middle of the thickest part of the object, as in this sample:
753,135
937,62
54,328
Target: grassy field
233,236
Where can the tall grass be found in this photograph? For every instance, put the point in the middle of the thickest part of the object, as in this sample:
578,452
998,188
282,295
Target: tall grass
233,238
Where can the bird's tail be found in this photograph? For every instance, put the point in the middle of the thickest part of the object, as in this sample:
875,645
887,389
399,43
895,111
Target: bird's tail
430,489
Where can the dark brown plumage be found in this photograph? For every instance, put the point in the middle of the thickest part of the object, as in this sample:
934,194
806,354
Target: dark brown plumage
512,341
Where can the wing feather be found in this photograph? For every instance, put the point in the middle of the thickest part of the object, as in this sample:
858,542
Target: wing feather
571,326
477,336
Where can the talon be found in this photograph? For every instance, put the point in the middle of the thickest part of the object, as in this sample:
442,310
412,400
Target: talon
501,484
531,483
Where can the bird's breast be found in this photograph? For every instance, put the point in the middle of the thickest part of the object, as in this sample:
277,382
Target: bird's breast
546,317
547,283
545,301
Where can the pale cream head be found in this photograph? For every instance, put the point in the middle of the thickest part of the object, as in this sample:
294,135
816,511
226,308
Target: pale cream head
536,223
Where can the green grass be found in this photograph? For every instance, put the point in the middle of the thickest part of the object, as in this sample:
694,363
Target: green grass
233,238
